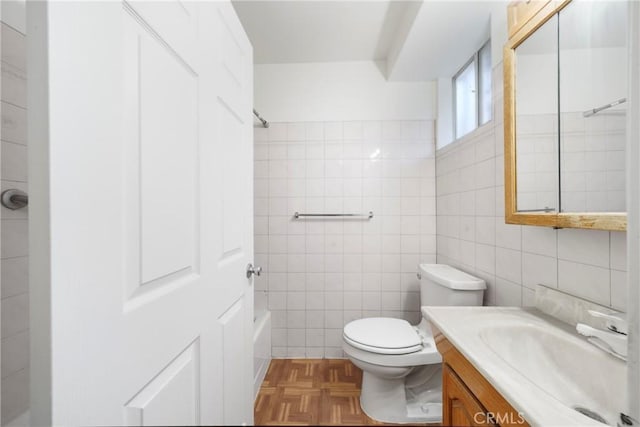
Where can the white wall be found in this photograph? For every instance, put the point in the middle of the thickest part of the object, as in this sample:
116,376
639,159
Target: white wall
342,139
338,91
445,112
499,33
320,274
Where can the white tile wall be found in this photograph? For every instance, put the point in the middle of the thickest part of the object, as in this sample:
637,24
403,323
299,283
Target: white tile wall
323,273
472,235
14,292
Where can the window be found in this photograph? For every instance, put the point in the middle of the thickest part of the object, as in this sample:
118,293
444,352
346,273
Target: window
466,99
472,92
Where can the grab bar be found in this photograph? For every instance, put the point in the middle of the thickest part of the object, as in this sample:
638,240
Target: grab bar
298,215
593,111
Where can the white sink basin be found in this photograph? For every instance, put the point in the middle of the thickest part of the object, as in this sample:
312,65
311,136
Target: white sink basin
562,365
541,366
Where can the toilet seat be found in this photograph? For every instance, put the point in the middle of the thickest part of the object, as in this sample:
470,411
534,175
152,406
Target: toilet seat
381,335
382,350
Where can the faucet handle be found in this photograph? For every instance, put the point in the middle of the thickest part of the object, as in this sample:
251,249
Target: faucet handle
611,342
615,322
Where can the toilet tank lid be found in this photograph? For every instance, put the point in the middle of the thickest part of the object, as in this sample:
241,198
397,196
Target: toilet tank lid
452,278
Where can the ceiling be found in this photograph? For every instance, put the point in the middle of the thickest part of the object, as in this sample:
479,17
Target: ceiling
322,31
443,37
418,40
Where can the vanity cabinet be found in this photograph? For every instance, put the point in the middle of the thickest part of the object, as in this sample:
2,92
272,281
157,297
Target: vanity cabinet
468,399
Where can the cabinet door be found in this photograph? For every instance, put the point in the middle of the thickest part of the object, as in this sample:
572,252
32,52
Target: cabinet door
461,408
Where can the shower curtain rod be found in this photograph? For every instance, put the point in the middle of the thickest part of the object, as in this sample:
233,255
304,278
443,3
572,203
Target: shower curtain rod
264,122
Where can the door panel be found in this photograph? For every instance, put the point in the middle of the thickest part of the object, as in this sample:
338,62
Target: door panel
161,175
174,21
172,397
233,326
232,107
233,81
168,164
233,201
142,214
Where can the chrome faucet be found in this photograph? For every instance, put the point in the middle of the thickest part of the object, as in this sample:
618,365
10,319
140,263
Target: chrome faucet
614,339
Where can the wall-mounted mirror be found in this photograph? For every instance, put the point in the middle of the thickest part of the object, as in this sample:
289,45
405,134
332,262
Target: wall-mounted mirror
593,90
538,183
565,116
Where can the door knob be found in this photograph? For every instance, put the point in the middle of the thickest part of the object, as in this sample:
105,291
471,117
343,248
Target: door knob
253,270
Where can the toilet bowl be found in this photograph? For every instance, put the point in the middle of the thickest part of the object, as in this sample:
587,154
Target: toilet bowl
402,369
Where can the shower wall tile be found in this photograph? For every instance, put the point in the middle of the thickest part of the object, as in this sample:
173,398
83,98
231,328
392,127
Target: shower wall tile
14,84
513,259
14,47
14,123
15,315
14,238
14,276
322,273
15,395
14,228
14,162
15,353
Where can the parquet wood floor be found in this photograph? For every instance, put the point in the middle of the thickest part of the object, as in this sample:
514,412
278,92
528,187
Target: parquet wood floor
311,392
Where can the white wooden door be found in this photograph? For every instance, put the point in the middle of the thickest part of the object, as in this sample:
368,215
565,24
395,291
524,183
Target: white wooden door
141,213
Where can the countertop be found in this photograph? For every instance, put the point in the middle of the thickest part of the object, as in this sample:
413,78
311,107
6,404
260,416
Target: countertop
462,327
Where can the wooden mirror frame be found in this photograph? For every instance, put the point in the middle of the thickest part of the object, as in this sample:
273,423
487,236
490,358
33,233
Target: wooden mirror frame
525,17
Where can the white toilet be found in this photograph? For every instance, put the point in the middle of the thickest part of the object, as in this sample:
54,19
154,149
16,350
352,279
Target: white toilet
402,371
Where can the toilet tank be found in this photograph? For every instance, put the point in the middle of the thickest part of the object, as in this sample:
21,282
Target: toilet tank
442,285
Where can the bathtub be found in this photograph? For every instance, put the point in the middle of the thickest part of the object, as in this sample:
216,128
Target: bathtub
261,347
